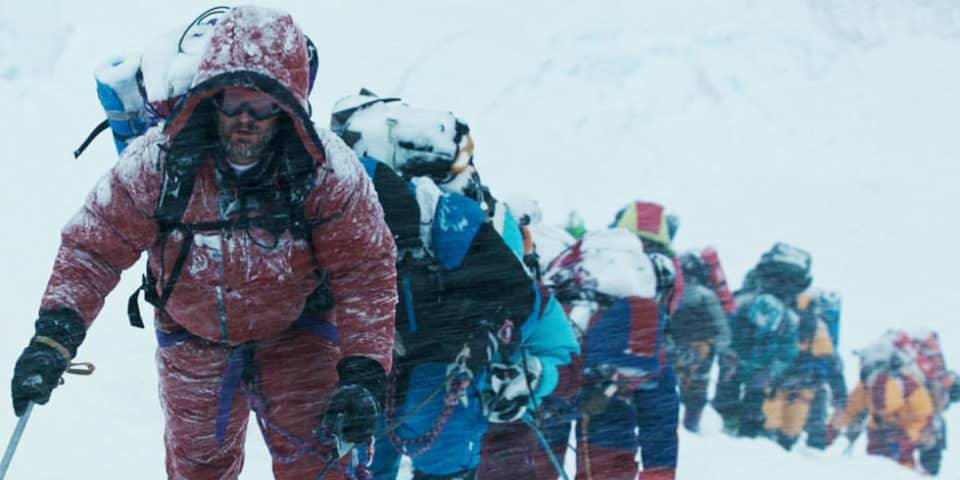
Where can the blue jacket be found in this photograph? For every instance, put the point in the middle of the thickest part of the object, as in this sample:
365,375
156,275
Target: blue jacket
457,224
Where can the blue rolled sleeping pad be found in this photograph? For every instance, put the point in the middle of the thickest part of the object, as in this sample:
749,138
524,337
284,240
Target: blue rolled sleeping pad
119,93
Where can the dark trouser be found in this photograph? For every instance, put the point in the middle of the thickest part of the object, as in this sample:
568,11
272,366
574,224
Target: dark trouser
692,362
607,442
509,450
750,413
816,426
726,400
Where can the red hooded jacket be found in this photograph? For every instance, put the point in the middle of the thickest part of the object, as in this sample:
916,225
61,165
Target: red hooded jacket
232,289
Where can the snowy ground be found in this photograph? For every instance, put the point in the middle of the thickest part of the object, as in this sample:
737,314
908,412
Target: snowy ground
826,123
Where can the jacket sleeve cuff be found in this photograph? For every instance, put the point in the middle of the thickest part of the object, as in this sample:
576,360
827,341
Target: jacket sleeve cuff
63,326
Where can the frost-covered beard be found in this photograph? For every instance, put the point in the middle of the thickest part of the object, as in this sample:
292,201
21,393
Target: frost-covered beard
245,141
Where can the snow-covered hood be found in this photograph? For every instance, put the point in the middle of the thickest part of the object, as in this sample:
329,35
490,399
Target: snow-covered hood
257,47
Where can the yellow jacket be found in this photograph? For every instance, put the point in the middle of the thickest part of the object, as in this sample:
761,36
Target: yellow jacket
894,399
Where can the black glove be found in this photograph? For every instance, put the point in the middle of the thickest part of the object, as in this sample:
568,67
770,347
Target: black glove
42,363
353,410
484,346
492,334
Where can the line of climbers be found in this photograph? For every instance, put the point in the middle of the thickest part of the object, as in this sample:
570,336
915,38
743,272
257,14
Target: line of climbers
368,297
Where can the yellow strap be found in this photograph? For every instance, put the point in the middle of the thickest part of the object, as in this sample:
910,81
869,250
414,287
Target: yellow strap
54,345
584,425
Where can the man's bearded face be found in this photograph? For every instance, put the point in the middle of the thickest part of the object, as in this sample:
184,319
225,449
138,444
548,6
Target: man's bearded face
246,123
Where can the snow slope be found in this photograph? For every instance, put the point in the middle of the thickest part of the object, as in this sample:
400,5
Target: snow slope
826,123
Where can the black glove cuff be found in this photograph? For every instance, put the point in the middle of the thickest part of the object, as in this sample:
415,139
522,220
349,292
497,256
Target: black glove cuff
63,325
365,372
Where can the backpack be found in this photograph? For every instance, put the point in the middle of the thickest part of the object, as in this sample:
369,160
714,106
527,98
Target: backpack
825,305
718,279
139,91
604,265
785,269
414,142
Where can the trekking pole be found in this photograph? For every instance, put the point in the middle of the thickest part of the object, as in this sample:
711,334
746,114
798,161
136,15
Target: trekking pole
15,440
75,368
546,447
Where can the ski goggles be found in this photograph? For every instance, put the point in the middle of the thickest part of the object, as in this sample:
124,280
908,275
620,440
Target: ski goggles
259,105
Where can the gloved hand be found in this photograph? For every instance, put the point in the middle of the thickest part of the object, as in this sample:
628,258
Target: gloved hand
352,413
40,366
483,346
36,374
492,337
511,387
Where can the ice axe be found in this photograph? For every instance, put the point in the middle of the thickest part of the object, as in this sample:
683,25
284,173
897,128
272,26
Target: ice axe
79,368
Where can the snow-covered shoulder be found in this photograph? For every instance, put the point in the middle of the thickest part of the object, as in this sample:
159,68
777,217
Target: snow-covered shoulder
340,159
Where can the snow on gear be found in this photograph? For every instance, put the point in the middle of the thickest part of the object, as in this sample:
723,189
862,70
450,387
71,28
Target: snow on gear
139,90
457,252
453,245
241,320
784,271
607,263
412,141
622,380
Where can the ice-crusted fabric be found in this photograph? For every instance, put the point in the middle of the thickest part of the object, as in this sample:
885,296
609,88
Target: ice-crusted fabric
232,289
259,40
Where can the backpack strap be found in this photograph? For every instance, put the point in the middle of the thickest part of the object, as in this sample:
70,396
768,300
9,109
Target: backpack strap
178,182
178,188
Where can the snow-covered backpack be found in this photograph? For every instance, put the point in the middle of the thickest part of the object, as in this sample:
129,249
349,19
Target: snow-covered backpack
415,142
784,269
610,285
